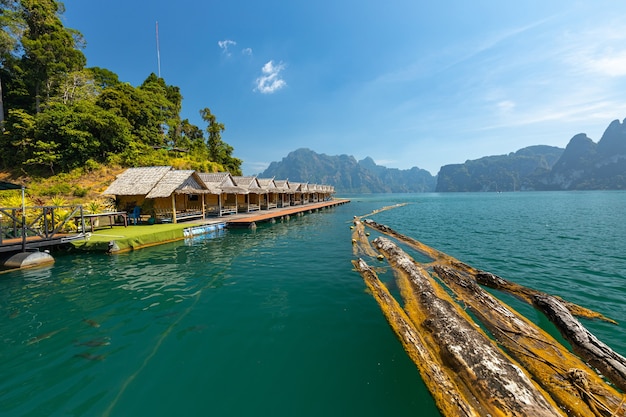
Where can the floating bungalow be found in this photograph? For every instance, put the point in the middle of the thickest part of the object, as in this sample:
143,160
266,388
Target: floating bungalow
283,190
163,194
223,196
269,200
249,200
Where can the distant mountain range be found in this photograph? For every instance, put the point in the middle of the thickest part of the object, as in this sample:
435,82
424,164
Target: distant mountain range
582,165
348,175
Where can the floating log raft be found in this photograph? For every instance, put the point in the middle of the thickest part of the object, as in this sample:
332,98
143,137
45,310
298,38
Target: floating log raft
485,372
445,390
549,362
611,364
521,371
484,278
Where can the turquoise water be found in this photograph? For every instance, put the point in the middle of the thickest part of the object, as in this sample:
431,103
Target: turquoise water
274,322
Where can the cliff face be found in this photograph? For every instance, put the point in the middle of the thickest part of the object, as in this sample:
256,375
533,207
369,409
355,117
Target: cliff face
512,172
582,165
586,165
348,175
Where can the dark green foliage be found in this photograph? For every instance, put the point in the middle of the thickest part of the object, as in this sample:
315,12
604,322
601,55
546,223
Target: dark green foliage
60,115
219,150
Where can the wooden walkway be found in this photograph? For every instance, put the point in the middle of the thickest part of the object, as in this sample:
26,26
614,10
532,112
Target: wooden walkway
250,219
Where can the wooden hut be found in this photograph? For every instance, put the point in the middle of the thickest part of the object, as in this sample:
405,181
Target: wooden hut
269,200
249,201
295,198
179,195
131,187
282,187
314,193
306,193
162,193
222,198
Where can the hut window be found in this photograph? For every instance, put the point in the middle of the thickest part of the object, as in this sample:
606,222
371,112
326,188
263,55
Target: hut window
193,197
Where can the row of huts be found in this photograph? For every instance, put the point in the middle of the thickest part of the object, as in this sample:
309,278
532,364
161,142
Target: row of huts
168,194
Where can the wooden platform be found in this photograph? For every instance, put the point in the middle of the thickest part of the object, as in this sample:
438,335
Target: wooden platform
250,219
36,242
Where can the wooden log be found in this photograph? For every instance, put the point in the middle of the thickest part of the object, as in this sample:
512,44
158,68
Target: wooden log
440,383
527,294
549,362
611,364
484,278
359,240
500,385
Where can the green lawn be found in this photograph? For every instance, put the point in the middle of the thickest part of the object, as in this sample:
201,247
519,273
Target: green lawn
131,237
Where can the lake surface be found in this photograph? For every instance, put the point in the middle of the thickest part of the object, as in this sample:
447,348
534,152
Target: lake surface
274,322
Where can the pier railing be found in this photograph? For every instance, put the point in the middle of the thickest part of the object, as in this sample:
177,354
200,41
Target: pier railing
40,222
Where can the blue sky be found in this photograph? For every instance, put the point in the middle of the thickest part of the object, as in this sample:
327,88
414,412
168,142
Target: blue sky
408,83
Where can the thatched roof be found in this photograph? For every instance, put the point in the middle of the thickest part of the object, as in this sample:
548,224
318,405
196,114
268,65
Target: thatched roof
222,182
267,184
137,181
156,182
295,187
283,186
251,184
178,182
217,178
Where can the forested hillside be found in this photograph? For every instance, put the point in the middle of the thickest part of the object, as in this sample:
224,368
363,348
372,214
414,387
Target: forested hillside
57,115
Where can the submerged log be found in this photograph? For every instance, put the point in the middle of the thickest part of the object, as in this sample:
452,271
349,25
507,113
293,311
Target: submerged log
549,362
500,385
484,278
611,364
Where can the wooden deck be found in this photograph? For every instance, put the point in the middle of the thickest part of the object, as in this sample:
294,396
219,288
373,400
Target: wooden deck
249,219
36,242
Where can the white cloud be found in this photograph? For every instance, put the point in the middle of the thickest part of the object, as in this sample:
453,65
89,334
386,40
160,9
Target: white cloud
613,66
225,44
506,106
246,51
270,81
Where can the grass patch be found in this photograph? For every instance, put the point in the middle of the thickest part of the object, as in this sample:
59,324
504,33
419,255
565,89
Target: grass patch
132,237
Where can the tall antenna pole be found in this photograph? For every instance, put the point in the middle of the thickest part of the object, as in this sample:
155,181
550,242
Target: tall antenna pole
158,49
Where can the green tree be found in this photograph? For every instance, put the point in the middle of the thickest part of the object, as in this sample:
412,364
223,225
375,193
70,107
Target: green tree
45,153
83,131
214,129
103,78
147,108
10,29
50,49
16,145
219,151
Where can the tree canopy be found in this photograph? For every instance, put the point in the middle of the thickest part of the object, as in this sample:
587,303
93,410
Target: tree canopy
57,115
